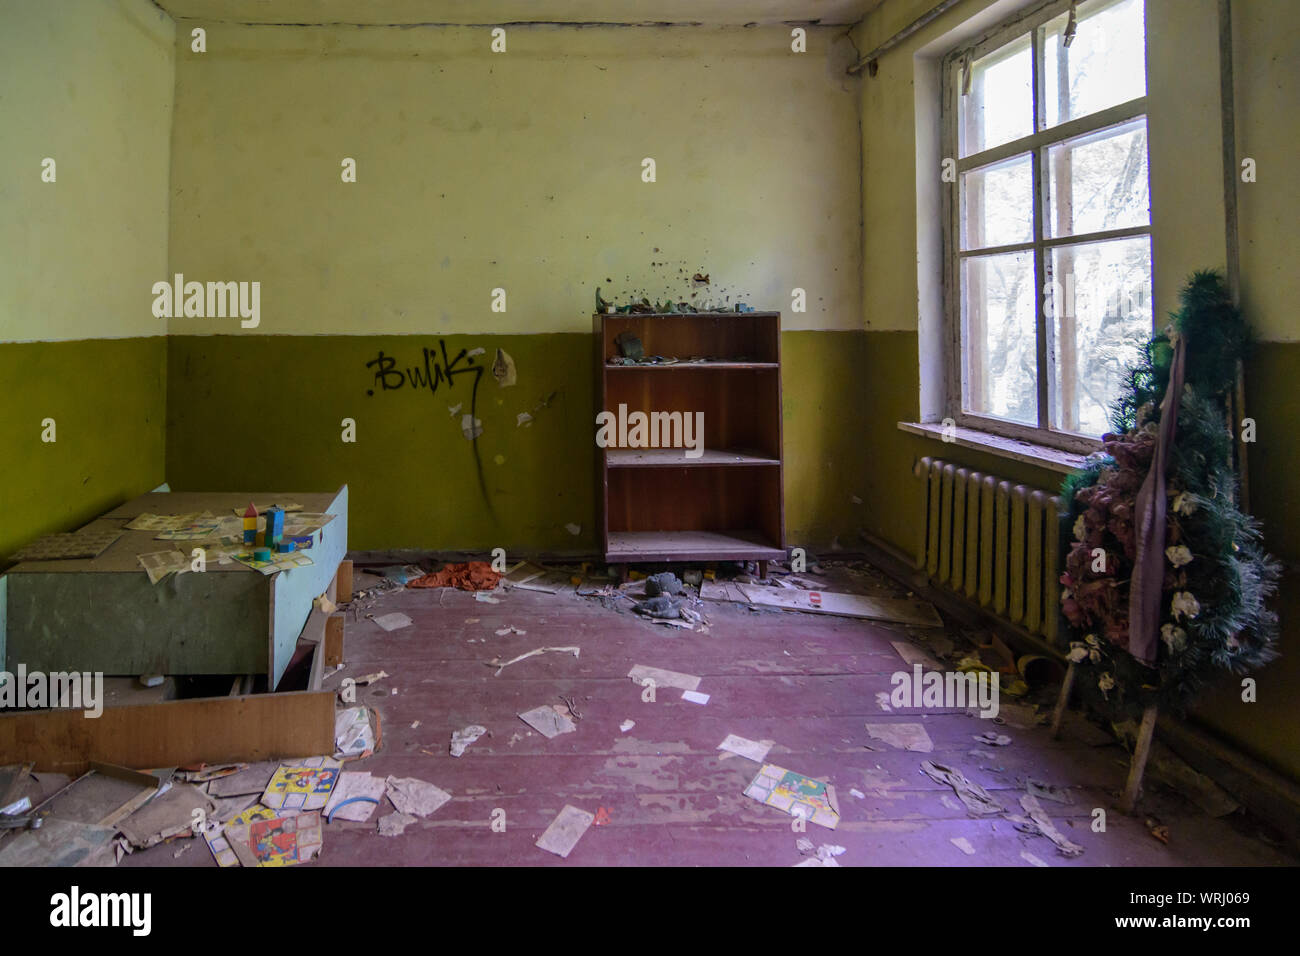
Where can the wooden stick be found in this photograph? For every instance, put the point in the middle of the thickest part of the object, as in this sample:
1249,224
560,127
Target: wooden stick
1141,750
1062,702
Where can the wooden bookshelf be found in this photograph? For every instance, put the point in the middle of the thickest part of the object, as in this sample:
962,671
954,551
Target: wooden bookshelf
727,504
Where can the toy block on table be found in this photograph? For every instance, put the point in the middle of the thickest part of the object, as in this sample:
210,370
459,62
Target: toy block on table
274,526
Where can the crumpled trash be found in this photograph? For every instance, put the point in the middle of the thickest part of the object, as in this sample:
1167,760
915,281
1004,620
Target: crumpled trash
664,607
663,583
470,576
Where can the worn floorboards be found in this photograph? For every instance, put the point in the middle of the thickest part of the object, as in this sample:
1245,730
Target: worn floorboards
807,682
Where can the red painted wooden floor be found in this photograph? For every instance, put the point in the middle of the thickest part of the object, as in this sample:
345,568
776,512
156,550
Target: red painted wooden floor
807,682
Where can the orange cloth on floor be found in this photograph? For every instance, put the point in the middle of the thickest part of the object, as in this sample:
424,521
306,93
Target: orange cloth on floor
472,576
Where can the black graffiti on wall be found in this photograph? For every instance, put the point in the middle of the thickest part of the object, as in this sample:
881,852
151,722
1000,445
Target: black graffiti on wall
434,370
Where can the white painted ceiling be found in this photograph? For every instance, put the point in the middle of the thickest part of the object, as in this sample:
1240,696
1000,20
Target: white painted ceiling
475,12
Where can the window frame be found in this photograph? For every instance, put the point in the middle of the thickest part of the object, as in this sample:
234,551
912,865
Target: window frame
1035,145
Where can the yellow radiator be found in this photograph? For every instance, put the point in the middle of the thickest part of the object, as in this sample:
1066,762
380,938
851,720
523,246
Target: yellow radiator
992,540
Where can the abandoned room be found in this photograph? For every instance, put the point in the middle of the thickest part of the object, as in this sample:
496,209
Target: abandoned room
529,433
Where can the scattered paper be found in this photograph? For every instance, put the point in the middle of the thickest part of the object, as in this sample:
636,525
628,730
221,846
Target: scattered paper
978,800
1040,823
882,701
573,529
547,722
486,598
75,544
462,738
219,843
962,844
282,841
159,564
496,662
903,736
796,794
352,732
627,725
394,621
151,522
394,824
662,678
993,739
695,697
416,797
858,793
565,831
303,786
1030,858
510,630
361,792
755,750
471,427
913,655
277,562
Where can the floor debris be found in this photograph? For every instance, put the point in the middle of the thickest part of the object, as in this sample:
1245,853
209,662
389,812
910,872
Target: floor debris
394,824
166,815
896,610
755,750
993,739
626,725
416,797
1031,859
394,621
695,697
547,722
565,831
977,800
469,576
356,796
353,735
796,794
962,844
302,786
662,678
1040,823
497,663
903,736
461,739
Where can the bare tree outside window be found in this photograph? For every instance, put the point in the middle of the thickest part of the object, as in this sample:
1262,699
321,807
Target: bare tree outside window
1049,244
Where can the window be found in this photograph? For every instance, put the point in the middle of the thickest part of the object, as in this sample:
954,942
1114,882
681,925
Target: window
1048,231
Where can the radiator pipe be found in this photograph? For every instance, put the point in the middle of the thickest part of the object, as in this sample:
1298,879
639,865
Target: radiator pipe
869,60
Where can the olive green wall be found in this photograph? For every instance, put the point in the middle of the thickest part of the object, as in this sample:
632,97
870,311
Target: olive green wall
87,83
267,412
106,399
1188,234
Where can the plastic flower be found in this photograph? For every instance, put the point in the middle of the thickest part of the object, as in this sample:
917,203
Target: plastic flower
1184,604
1078,652
1184,504
1175,637
1179,555
1105,684
1079,531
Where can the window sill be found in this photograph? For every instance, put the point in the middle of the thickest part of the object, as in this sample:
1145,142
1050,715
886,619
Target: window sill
1042,456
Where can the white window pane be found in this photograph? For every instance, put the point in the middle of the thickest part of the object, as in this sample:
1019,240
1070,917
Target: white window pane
999,374
1000,105
1103,67
1100,310
997,204
1099,181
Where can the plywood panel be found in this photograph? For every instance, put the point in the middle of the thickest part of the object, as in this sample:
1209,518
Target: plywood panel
173,733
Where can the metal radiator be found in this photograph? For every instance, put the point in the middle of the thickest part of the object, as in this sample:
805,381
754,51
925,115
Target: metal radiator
992,540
